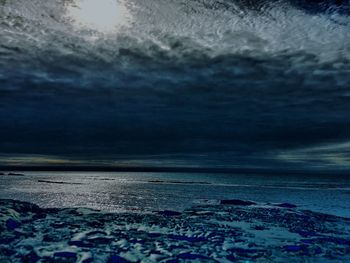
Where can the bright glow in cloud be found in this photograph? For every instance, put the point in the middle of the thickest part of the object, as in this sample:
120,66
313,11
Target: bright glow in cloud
101,15
335,154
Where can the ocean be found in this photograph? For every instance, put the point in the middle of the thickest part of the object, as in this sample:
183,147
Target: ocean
241,106
150,192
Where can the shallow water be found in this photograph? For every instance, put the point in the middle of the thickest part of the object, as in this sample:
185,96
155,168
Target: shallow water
146,192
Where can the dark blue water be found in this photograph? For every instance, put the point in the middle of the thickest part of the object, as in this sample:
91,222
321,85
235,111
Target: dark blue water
200,82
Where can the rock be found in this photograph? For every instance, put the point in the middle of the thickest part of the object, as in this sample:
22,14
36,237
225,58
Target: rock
339,241
117,259
243,252
50,238
96,232
318,250
286,205
237,202
65,254
259,228
191,256
79,243
169,213
15,174
7,240
294,248
58,225
231,258
154,235
88,260
138,241
307,241
189,239
95,224
32,257
305,233
39,216
100,240
12,224
7,252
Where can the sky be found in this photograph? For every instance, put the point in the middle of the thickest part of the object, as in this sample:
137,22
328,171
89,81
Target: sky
173,88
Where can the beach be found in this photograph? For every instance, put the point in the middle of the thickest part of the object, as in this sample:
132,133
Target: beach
233,231
142,225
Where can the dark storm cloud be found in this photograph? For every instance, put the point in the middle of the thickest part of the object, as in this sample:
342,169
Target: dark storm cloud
212,108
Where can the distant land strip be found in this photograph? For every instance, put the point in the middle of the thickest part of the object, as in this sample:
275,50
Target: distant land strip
56,182
157,169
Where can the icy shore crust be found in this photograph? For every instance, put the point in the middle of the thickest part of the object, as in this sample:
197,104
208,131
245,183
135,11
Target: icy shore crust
235,230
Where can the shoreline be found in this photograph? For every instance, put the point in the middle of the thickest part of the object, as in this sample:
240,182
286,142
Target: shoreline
234,230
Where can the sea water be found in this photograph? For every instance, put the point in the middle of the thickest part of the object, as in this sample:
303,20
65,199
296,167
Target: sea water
147,192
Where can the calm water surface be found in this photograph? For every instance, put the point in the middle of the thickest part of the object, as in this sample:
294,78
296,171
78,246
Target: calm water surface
156,191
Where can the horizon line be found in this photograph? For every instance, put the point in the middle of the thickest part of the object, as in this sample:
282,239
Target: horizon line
170,169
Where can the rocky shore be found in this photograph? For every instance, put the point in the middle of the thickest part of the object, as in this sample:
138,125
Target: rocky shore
233,231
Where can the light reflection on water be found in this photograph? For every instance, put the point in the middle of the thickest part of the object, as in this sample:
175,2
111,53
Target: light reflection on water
148,192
